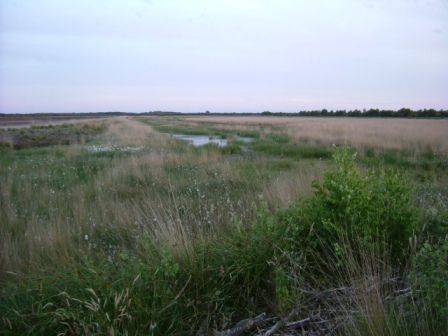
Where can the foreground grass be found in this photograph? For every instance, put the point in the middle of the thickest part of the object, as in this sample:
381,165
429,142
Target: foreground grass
141,233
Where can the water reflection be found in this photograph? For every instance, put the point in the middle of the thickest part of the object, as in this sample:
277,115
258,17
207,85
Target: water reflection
200,140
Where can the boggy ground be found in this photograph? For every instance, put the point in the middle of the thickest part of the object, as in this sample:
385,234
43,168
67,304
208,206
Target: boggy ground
421,134
26,120
18,132
136,232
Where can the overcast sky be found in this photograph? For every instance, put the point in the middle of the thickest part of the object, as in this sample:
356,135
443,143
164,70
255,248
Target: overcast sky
222,55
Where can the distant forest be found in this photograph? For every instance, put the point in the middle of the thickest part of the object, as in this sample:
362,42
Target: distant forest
371,113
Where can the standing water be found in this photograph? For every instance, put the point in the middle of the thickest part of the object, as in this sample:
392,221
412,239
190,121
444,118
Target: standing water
200,140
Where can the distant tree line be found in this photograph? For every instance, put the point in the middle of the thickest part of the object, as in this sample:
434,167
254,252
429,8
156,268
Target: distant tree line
372,113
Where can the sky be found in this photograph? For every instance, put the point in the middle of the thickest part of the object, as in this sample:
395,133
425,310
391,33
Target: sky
222,55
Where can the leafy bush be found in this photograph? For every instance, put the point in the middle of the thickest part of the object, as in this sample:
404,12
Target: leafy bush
429,280
369,209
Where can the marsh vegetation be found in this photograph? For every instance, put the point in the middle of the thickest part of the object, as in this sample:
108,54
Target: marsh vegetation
126,230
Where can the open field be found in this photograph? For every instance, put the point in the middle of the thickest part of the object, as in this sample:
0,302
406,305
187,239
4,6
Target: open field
113,226
422,134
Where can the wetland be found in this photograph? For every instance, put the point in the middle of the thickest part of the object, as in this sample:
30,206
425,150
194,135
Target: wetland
110,226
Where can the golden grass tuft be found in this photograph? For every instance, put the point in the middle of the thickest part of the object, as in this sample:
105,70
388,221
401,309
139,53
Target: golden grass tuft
127,131
282,190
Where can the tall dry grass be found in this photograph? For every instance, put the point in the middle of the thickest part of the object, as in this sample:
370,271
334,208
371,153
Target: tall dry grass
285,188
127,131
72,202
415,134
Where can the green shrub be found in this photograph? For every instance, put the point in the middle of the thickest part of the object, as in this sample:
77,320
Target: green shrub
429,281
369,209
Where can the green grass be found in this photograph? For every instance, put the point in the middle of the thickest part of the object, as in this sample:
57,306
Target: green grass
426,166
249,134
295,151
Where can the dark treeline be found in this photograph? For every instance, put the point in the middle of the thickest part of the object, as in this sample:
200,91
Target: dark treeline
372,113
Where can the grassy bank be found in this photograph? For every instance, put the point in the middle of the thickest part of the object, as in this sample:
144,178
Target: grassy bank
136,232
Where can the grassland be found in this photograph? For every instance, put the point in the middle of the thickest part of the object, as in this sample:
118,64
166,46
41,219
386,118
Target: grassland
114,227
